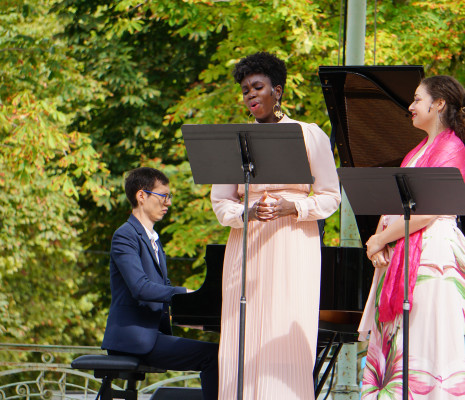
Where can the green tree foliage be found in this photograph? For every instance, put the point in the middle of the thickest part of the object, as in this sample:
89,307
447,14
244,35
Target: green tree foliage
146,69
91,89
419,32
45,167
305,35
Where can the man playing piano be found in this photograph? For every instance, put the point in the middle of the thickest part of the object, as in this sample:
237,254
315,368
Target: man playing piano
139,321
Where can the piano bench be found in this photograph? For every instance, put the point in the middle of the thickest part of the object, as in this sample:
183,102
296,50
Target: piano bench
110,367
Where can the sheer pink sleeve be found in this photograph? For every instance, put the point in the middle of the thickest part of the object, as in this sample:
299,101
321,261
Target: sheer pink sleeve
227,205
326,195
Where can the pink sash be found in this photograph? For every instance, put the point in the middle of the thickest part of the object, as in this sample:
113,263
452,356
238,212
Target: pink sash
447,150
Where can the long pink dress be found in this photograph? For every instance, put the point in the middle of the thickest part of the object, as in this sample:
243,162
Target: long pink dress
283,282
436,328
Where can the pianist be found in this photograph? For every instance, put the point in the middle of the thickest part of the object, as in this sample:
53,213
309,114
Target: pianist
139,322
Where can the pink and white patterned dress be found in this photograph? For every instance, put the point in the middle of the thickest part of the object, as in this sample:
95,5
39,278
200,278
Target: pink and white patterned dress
437,323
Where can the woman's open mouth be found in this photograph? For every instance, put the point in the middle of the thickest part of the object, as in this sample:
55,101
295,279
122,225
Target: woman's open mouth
254,105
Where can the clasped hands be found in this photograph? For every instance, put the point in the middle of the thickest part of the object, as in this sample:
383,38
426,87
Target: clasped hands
262,211
377,252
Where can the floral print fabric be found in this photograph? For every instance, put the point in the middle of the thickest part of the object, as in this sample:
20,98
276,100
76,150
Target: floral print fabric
436,329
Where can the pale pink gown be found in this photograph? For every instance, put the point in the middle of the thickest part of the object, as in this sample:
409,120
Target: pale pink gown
283,282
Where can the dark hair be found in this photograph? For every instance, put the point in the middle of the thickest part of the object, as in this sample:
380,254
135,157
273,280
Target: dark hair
452,92
262,63
143,178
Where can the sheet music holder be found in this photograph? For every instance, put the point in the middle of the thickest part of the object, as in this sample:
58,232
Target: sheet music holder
404,191
278,152
244,154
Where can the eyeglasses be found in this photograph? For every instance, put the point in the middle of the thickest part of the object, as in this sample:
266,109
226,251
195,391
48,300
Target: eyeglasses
166,197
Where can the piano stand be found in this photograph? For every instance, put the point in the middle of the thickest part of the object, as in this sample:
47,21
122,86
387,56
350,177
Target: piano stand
340,330
318,384
110,367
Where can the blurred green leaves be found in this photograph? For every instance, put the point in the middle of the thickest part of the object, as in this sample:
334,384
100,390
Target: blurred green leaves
92,89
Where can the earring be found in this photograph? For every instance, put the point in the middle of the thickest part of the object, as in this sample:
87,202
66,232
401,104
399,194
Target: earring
251,119
277,110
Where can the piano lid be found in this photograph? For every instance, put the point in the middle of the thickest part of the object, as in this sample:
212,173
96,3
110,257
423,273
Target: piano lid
368,109
371,124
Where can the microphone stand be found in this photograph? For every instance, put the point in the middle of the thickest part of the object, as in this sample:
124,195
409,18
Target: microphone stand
408,204
249,170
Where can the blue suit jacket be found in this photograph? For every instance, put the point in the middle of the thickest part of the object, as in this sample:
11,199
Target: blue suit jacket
140,292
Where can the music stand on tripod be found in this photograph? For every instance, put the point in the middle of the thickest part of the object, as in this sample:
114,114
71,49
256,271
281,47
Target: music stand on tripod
404,191
244,154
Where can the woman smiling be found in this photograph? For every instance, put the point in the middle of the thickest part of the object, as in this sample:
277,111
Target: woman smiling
436,365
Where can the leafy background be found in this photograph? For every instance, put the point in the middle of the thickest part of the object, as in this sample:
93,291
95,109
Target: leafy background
91,89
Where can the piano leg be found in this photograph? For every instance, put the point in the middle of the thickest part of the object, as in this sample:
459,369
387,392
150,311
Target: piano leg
316,371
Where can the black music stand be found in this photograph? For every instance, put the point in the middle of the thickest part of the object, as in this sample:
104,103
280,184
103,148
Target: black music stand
246,153
403,191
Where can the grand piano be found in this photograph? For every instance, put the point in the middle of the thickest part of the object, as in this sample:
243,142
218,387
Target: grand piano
371,127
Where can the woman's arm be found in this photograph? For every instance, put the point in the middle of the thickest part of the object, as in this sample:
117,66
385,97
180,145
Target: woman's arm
380,258
396,231
227,205
326,195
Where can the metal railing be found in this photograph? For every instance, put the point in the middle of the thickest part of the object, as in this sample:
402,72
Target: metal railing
44,372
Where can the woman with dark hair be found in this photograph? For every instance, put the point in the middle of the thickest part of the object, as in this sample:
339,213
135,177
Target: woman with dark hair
436,269
283,256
